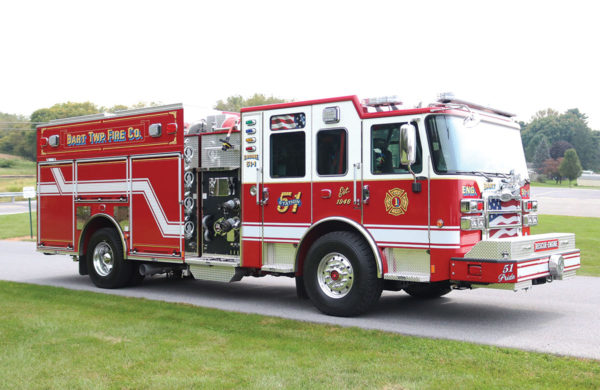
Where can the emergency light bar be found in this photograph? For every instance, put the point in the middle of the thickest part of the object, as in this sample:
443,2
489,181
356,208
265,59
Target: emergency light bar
382,101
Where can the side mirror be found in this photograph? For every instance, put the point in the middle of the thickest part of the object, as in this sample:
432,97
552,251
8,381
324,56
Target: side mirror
408,144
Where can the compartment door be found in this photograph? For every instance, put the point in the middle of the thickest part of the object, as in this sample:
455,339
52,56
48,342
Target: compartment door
156,212
56,189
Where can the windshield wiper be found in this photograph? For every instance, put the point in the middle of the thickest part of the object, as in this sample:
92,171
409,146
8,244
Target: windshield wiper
478,173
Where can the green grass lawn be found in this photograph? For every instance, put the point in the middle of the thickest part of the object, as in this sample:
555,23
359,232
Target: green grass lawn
57,338
17,225
587,238
14,165
15,184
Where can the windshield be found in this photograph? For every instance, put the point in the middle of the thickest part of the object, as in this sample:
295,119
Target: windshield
486,148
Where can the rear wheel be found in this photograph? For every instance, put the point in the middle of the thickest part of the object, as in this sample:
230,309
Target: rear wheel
340,275
428,290
105,263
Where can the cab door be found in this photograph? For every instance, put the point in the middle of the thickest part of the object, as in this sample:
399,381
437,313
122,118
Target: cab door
286,185
337,162
395,214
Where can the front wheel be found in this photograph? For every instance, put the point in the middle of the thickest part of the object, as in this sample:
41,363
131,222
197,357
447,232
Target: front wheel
340,275
105,262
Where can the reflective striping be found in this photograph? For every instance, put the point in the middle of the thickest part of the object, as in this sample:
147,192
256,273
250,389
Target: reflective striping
420,235
109,187
408,236
274,232
533,270
445,237
252,231
400,236
539,267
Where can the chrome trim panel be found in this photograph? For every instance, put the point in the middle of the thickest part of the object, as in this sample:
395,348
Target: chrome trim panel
153,258
223,273
154,155
279,257
122,217
213,157
56,162
83,214
412,265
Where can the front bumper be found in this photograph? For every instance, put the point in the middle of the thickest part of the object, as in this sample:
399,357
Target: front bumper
518,262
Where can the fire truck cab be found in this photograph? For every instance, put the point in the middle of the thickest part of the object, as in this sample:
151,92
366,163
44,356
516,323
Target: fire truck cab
348,197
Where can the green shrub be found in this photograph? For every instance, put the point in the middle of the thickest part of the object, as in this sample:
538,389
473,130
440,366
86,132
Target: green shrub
4,163
541,178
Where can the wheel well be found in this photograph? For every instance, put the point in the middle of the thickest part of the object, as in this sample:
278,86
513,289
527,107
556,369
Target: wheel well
96,223
320,230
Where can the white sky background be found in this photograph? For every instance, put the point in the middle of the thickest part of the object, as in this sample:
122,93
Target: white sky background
520,56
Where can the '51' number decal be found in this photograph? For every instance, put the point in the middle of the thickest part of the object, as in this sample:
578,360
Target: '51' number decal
284,202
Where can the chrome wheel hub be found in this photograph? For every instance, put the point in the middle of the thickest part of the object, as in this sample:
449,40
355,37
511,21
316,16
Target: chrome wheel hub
103,259
335,275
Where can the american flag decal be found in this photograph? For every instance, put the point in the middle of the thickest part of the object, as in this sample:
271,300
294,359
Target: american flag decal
504,223
503,233
497,204
288,122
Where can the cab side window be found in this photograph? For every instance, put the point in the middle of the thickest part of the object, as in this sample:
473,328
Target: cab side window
332,152
288,154
385,150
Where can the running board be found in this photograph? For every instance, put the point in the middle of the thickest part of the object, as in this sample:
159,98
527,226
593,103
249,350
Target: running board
217,269
278,268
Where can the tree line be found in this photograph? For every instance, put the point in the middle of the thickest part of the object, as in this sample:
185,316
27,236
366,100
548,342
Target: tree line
561,145
551,140
17,132
17,135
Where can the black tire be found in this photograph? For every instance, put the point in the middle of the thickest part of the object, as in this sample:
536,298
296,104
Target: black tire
340,275
300,288
136,278
428,290
108,269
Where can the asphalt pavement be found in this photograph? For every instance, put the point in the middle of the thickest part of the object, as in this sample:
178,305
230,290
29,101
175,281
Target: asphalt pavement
561,317
577,202
16,207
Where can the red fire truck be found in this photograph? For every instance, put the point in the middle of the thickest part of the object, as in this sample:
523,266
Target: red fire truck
348,197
